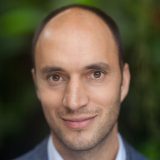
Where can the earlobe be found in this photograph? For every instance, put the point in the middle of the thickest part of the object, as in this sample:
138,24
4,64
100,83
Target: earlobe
125,81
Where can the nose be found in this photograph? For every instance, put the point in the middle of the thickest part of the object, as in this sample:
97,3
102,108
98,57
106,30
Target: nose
75,96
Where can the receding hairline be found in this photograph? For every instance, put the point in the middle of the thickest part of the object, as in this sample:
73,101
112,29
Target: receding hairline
74,11
78,18
70,17
99,14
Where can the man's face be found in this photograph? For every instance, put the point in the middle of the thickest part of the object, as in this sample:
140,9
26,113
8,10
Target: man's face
79,81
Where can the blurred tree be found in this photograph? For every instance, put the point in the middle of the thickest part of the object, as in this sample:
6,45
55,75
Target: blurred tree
21,121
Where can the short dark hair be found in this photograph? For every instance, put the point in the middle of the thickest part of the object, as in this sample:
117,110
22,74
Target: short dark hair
102,15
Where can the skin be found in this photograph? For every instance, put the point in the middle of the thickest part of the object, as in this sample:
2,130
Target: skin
80,84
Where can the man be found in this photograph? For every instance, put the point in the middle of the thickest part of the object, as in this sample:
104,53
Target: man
81,80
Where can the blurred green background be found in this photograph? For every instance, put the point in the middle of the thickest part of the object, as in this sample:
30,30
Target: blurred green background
22,124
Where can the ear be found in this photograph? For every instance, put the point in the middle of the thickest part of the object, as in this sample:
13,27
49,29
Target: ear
125,81
35,81
34,77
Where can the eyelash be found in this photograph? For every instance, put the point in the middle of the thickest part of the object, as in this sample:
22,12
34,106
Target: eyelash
62,78
92,76
52,80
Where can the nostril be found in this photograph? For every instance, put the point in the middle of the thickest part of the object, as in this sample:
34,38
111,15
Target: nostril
74,102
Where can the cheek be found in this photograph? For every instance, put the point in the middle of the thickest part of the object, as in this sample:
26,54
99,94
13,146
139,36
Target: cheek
105,95
51,102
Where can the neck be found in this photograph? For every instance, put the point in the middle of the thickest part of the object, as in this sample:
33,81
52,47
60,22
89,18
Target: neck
107,149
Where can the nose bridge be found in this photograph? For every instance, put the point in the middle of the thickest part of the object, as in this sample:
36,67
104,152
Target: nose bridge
75,94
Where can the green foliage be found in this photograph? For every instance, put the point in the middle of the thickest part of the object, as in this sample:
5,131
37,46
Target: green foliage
140,28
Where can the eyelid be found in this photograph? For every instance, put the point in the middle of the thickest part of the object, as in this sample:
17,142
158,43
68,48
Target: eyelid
55,72
50,76
92,71
62,75
98,70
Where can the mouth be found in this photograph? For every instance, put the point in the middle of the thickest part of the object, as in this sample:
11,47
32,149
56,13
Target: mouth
78,123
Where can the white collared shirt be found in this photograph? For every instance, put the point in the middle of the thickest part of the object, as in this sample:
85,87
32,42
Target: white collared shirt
52,152
121,155
54,155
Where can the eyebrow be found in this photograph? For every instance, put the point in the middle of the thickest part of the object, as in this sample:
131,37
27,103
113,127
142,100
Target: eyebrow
99,66
95,66
51,69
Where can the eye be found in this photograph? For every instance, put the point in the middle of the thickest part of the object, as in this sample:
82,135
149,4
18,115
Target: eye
54,77
97,74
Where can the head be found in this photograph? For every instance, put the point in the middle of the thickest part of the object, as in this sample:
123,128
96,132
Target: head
102,15
80,76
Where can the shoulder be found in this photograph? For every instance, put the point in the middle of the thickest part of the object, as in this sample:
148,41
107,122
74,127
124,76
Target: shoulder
39,152
131,153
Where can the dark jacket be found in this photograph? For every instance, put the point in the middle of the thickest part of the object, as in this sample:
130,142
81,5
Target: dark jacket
40,152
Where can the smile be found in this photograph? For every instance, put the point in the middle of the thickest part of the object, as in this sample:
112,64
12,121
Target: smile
79,123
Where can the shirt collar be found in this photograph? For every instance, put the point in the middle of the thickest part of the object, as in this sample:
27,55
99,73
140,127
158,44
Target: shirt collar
121,155
53,153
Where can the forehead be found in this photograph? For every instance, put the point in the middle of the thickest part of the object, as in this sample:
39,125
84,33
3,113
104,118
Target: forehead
75,33
75,17
75,20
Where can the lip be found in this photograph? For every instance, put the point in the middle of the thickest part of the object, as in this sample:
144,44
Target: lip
78,123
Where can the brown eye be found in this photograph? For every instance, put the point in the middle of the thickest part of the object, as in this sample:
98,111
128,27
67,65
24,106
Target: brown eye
55,77
97,74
